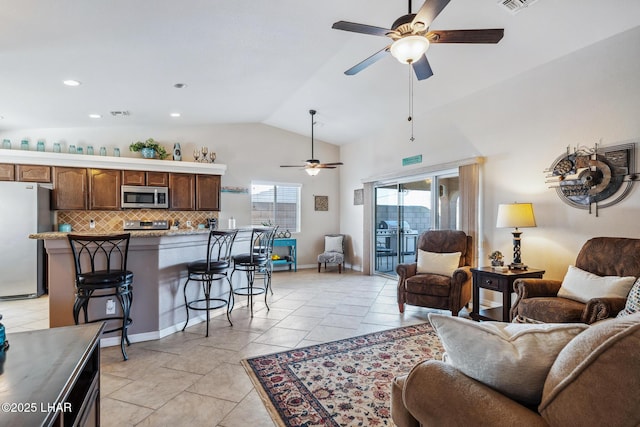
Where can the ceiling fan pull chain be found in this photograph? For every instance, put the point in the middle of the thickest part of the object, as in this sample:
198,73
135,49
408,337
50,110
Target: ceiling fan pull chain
410,118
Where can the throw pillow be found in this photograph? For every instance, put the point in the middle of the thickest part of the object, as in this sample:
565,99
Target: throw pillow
633,300
580,285
512,358
438,263
333,244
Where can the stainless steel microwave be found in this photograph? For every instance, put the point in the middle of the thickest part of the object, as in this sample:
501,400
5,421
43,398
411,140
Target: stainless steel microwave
141,197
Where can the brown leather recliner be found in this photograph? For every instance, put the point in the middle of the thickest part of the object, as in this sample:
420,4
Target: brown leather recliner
593,382
604,256
434,290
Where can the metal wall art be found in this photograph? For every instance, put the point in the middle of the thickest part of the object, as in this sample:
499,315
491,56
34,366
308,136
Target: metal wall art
594,177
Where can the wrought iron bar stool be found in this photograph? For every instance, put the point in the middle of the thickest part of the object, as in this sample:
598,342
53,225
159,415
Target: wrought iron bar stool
268,269
101,271
255,262
209,270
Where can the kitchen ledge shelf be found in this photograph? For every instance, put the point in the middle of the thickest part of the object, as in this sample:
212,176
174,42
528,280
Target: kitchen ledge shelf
23,157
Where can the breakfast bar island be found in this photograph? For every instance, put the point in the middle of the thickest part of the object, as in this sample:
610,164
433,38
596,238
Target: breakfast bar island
158,260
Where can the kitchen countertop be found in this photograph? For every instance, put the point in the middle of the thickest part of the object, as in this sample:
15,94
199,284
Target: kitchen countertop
58,235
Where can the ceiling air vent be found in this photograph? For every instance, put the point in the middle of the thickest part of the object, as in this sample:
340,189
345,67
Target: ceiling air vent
515,6
120,113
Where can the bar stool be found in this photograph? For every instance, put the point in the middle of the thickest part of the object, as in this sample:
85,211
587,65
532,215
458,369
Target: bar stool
257,260
209,270
267,248
101,271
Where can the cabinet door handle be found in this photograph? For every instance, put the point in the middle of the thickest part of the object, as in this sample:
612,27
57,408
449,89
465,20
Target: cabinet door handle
488,281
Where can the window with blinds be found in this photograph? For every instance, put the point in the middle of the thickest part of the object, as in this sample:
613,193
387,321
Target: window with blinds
277,204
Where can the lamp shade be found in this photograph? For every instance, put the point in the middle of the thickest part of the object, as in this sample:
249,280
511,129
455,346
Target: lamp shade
409,49
312,171
514,215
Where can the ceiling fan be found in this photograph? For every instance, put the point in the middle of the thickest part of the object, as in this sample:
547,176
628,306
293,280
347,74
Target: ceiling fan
411,38
313,166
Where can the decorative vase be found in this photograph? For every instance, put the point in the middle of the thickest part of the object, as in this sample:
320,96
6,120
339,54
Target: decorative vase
496,263
177,152
148,153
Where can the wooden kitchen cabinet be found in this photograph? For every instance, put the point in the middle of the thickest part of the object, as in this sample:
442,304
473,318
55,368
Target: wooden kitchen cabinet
208,192
70,188
182,192
104,189
154,179
158,179
33,173
7,172
134,178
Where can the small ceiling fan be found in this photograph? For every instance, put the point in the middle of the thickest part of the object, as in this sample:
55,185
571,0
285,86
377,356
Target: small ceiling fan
313,166
411,38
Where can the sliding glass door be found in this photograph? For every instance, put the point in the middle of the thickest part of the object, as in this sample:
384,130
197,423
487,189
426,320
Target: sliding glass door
403,210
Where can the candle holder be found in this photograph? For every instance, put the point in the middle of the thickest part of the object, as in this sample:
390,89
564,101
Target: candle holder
203,155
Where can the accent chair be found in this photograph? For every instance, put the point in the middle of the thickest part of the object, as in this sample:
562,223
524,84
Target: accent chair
542,300
428,282
333,251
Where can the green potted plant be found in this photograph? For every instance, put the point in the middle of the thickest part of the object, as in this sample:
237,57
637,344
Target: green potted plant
149,149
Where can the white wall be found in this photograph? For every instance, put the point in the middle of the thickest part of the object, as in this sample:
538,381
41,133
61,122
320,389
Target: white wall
521,126
250,151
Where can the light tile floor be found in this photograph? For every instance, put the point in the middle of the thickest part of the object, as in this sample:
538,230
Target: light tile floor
186,379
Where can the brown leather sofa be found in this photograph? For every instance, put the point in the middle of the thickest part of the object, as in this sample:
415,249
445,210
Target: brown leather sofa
604,256
434,290
594,381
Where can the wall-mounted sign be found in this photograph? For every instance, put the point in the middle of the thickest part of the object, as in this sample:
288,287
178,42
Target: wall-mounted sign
413,160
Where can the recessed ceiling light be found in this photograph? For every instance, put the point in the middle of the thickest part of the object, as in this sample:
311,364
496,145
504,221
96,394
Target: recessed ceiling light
71,82
175,114
180,85
95,116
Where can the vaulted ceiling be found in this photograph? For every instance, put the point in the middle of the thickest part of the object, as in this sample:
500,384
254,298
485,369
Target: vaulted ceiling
265,61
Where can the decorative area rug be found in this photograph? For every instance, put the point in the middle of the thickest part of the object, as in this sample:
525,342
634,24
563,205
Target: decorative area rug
341,383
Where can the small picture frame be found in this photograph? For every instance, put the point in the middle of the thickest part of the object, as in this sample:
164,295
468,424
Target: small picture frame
321,203
358,196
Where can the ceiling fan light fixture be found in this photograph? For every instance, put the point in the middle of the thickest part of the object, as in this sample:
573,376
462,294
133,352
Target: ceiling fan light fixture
312,171
409,49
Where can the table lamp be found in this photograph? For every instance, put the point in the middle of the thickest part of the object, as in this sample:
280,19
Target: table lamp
516,215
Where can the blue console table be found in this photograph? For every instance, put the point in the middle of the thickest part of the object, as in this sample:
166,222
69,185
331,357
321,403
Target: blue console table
291,260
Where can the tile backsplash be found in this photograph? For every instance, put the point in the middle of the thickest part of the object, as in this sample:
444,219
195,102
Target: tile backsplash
111,221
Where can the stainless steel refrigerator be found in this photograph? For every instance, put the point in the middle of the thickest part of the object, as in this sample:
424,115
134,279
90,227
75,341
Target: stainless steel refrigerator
24,210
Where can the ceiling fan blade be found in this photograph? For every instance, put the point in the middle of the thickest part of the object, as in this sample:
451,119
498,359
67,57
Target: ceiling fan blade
370,60
292,166
466,36
422,68
428,12
321,166
360,28
332,164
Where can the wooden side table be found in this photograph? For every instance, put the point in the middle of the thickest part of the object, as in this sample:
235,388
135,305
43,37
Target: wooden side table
501,281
